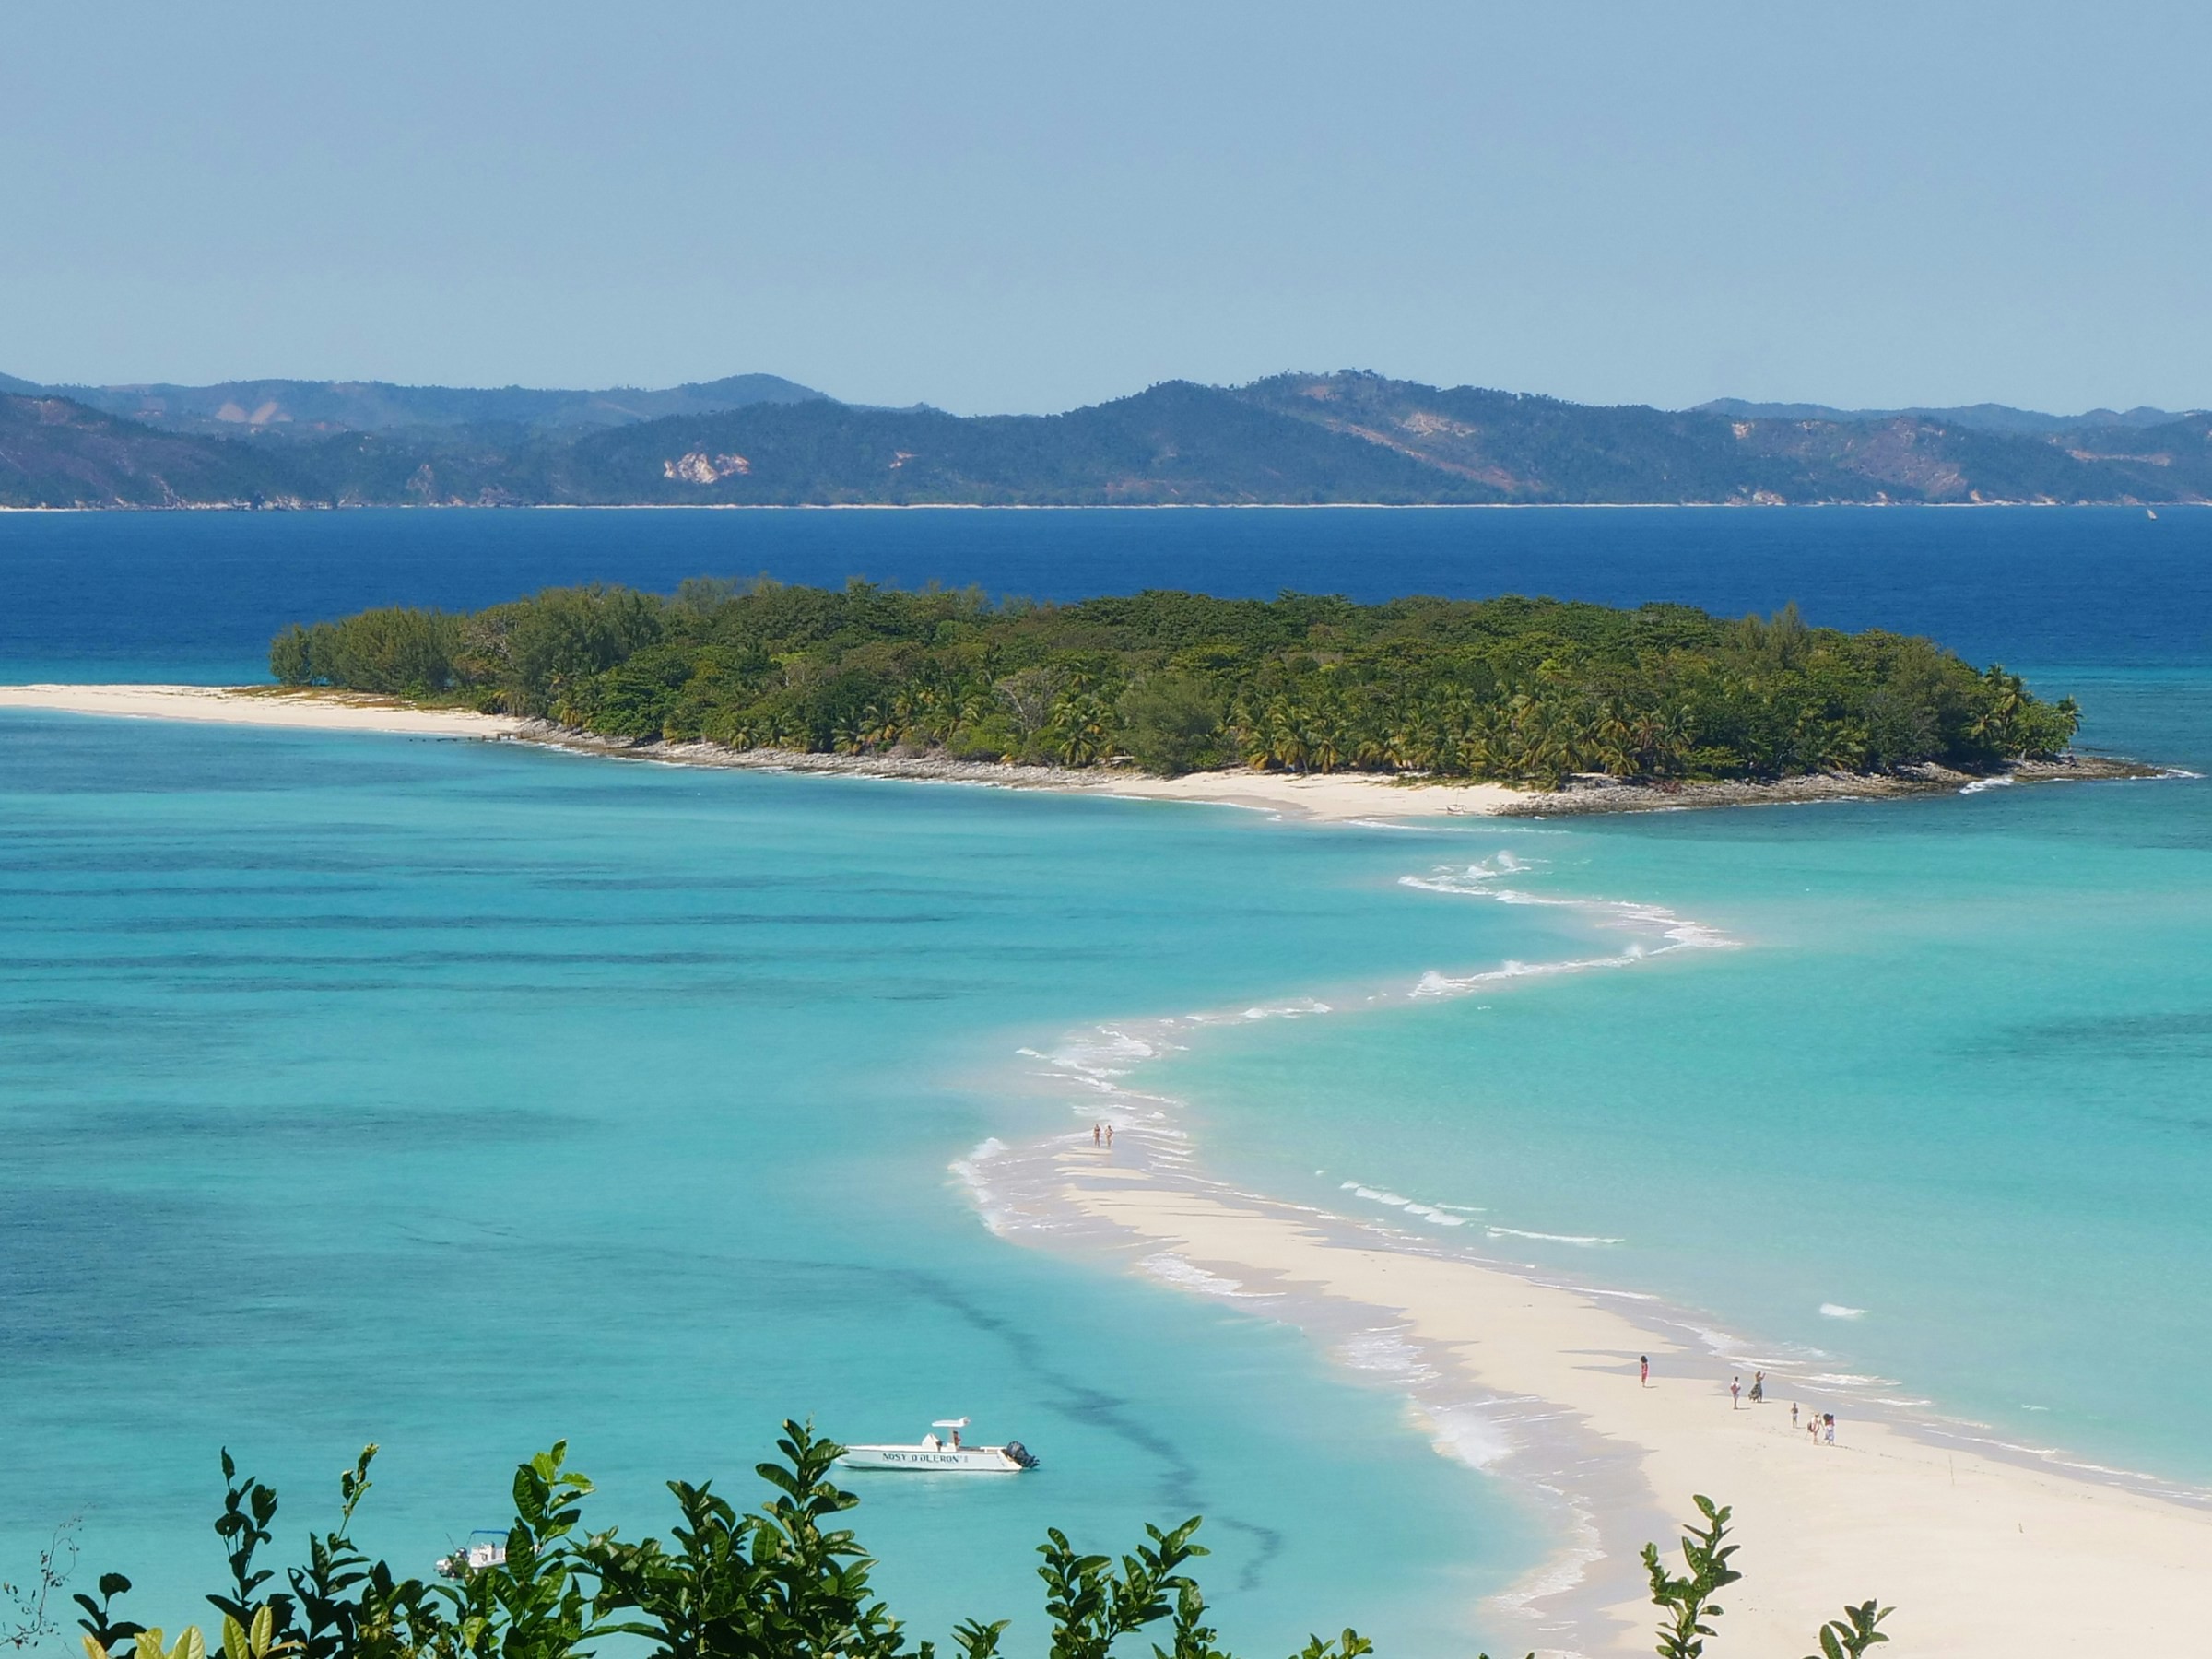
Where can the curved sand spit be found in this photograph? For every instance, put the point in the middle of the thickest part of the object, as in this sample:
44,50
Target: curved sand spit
1984,1558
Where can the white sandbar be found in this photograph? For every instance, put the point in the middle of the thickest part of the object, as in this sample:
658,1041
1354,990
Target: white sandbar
1983,1559
318,710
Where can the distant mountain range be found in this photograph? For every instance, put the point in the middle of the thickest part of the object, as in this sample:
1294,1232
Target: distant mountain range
1980,418
1293,439
292,407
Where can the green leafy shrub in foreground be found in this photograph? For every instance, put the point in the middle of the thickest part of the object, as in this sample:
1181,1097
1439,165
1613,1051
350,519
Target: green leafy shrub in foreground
1522,690
780,1582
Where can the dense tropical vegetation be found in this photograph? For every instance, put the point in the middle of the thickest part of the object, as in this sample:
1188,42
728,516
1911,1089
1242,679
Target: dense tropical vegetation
780,1582
1522,690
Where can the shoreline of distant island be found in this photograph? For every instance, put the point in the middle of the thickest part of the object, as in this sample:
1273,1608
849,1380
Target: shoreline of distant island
1350,796
1341,797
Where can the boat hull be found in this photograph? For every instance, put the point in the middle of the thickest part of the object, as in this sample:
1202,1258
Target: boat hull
940,1460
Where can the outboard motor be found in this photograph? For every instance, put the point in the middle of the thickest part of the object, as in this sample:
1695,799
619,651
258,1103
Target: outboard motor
1020,1454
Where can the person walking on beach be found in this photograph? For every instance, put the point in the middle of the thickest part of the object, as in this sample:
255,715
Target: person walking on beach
1643,1370
1812,1428
1094,1135
1759,1387
1110,1137
1793,1417
1828,1431
1735,1395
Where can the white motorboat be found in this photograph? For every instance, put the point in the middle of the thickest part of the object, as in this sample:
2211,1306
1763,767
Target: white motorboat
942,1448
485,1549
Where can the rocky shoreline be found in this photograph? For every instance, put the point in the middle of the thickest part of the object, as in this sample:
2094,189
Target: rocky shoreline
914,768
1391,795
1613,795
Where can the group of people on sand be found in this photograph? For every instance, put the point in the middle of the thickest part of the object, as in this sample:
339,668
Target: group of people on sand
1736,1391
1101,1134
1820,1426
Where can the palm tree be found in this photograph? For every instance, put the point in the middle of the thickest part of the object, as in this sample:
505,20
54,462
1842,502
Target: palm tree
1325,742
1611,741
1411,743
1677,736
882,725
1286,737
1246,731
2005,700
1079,730
782,728
1484,746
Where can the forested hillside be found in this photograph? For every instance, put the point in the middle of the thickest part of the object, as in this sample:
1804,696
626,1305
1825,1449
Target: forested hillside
1515,689
1291,439
278,408
54,452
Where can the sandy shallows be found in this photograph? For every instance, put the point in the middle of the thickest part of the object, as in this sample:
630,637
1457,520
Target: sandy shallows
1983,1559
319,711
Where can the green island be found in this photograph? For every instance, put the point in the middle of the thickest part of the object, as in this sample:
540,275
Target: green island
782,1581
1515,690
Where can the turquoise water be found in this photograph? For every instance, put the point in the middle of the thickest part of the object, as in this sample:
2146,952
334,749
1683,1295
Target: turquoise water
1932,1133
462,1097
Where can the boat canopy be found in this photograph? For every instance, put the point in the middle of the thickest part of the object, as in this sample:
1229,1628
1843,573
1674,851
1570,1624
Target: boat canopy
951,1423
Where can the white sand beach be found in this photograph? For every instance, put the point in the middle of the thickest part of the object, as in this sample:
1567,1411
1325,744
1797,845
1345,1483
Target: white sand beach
305,710
1335,798
1983,1559
1329,799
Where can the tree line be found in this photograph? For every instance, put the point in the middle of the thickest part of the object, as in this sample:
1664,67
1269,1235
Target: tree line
782,1581
1521,690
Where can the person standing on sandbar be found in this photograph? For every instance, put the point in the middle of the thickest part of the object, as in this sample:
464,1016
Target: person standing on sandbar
1735,1395
1643,1370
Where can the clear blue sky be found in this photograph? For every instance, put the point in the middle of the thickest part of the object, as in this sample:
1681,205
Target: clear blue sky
1030,205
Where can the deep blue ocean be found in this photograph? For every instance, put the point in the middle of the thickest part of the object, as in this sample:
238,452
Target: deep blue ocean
460,1097
196,597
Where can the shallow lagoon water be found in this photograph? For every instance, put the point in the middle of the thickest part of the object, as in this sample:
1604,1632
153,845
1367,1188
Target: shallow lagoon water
462,1097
